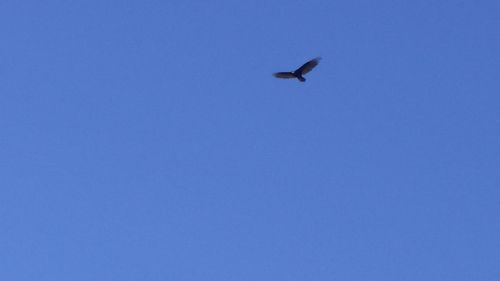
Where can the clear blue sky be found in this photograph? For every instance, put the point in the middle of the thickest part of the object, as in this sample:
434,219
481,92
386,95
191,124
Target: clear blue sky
148,140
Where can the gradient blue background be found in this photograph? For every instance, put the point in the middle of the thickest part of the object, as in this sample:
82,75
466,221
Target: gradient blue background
148,140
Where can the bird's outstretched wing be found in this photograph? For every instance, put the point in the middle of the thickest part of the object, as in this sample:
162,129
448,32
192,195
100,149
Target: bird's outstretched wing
285,75
308,66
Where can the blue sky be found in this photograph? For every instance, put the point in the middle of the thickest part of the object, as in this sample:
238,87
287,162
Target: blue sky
148,140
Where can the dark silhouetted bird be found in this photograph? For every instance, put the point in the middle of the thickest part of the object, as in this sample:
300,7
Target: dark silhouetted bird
305,68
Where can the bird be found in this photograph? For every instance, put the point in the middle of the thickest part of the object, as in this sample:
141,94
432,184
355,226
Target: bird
305,68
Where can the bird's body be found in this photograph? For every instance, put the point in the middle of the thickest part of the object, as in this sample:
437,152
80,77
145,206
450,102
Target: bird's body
299,72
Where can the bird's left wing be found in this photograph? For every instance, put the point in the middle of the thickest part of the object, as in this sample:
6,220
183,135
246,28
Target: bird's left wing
285,75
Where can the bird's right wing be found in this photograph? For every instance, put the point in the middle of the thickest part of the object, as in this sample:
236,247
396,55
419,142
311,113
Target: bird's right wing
284,75
308,66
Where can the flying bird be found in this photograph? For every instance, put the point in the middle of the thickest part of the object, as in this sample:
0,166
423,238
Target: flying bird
305,68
